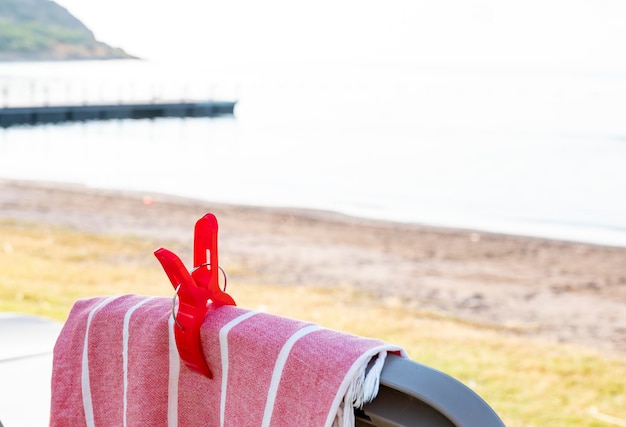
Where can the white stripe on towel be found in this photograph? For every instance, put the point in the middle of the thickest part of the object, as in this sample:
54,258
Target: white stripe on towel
125,337
174,372
224,355
85,383
281,360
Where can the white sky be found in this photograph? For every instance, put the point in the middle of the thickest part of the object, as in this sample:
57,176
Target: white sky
543,33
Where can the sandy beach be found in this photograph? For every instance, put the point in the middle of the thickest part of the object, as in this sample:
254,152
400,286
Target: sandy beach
567,292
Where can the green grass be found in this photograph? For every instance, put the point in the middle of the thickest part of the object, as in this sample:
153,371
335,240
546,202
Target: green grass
529,382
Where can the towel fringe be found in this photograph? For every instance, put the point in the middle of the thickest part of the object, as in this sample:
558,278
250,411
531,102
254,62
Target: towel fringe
372,381
362,389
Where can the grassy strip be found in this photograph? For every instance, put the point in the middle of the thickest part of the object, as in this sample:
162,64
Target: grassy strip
528,382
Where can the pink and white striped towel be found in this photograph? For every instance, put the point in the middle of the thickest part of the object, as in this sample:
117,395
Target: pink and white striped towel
116,364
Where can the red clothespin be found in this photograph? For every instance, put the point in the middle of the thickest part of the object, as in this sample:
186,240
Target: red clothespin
194,290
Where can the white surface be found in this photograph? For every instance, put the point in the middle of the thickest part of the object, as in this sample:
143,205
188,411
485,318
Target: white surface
26,345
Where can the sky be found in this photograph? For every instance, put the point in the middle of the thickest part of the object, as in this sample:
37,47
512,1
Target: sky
493,33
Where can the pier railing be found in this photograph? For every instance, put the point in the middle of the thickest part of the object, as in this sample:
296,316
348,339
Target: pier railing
37,93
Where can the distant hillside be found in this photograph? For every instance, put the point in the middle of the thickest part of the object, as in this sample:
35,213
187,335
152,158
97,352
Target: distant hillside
32,30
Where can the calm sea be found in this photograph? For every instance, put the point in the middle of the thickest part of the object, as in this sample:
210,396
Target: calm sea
527,152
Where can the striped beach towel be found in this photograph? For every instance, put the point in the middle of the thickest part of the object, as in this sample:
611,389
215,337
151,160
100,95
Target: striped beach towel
116,364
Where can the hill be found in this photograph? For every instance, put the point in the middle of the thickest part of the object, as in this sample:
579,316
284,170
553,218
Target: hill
35,30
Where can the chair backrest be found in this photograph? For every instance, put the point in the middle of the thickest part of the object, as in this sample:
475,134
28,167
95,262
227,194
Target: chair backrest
412,394
26,344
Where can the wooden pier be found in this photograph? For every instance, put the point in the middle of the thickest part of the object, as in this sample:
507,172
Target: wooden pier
11,116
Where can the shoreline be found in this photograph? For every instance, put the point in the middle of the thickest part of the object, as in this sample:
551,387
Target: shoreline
562,291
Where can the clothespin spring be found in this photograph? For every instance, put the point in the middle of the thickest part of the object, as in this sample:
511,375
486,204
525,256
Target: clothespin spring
178,288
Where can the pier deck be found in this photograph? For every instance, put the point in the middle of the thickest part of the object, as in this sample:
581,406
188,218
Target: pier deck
10,116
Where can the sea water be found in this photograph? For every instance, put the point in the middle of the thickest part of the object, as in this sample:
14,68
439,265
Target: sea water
531,152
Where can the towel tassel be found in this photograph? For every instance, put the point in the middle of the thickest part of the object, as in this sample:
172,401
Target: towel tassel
362,389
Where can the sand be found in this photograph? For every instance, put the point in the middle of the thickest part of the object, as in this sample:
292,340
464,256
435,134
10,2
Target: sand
566,292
